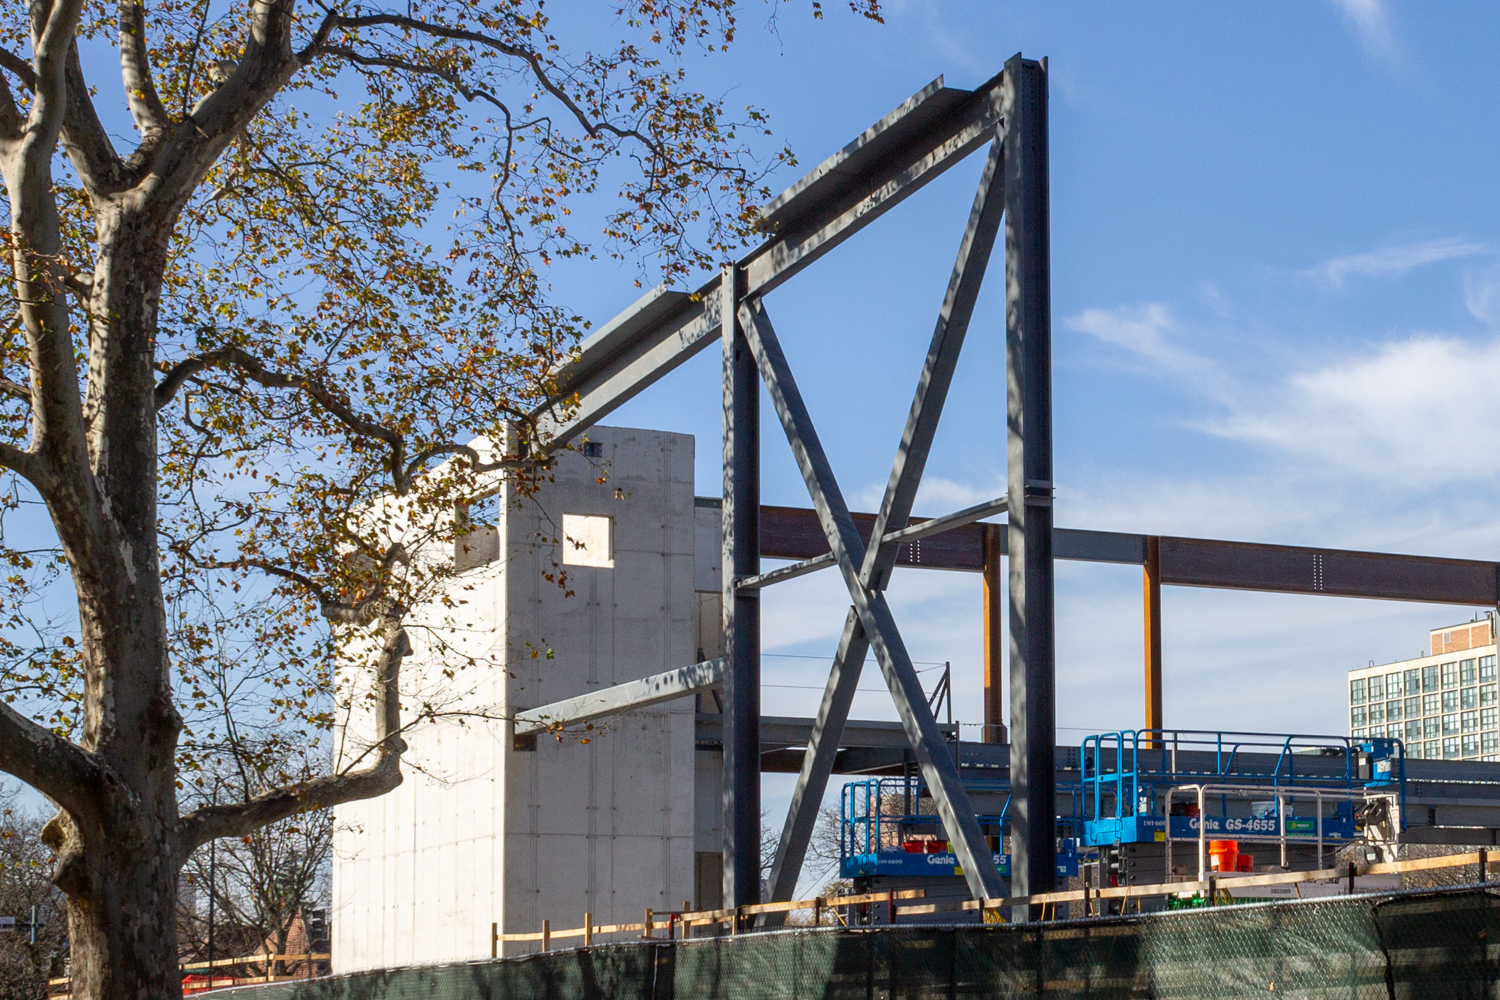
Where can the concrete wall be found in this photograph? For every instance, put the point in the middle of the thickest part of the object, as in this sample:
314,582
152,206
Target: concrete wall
601,821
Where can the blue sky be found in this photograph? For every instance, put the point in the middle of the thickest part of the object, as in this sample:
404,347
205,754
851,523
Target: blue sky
1276,291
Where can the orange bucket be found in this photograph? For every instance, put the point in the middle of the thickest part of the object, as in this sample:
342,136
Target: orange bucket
1223,855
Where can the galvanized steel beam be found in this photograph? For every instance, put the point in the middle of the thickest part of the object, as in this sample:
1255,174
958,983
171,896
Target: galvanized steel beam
740,526
928,133
622,698
1028,366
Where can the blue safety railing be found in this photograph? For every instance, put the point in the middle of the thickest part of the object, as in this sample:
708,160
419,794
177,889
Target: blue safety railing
1122,773
883,829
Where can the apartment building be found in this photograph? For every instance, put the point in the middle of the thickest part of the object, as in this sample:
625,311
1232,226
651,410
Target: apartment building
1443,705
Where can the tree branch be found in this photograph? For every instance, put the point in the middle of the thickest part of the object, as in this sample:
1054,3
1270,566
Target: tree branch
212,822
15,390
538,67
135,71
87,143
56,767
402,471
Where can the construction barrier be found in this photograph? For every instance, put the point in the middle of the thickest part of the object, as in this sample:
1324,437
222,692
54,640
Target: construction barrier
1428,944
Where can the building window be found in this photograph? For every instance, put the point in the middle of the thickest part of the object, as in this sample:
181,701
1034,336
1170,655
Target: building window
1413,731
1374,688
1486,668
1450,675
1471,745
1450,724
1357,691
588,540
1468,698
1450,701
1490,742
1471,721
1356,733
1377,712
1466,672
1429,727
1413,707
1430,678
1356,717
1489,718
1450,748
1431,749
1393,711
1429,704
1413,686
1393,685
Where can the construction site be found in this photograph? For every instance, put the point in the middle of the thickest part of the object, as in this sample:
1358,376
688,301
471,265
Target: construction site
601,835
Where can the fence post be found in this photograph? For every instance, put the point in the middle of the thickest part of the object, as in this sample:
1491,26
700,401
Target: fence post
270,966
588,928
890,906
1213,891
1484,865
1351,878
818,911
494,940
646,924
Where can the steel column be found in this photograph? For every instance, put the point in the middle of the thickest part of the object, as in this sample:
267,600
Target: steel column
1151,604
931,393
1028,362
938,767
994,634
741,558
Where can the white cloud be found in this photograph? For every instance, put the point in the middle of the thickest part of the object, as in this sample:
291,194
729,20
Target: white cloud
1148,331
1482,294
1370,22
1420,411
1394,260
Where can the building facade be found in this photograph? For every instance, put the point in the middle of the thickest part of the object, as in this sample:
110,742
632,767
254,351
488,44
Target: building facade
488,830
1444,705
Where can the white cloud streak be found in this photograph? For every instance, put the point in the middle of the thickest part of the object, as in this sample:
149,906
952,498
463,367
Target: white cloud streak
1370,22
1393,261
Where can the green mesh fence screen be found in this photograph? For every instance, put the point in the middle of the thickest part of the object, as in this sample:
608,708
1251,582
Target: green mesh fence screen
1422,946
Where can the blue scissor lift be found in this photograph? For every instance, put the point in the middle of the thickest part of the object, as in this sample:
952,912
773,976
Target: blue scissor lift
1249,780
889,828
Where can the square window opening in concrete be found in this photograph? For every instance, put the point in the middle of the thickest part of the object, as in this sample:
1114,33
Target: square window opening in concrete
588,540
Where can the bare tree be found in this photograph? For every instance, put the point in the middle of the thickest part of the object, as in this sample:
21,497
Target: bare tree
36,949
317,274
250,892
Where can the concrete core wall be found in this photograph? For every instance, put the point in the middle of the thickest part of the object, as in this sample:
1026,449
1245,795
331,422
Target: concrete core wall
600,821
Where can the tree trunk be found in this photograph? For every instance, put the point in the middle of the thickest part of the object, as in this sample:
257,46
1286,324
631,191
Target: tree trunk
119,865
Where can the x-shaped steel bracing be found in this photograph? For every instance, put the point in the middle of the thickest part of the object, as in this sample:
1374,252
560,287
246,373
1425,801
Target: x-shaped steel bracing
866,569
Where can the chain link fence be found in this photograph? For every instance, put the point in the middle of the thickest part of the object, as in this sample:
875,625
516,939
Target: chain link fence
1428,945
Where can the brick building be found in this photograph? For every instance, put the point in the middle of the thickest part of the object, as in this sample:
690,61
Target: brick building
1442,705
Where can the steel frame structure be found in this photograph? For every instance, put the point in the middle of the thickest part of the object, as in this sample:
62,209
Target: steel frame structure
927,134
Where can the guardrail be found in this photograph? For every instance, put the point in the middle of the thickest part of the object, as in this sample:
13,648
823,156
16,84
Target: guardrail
61,989
679,923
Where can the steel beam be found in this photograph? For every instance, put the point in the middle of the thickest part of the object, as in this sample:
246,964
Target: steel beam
928,133
941,774
1151,606
994,634
1028,364
741,607
622,698
886,538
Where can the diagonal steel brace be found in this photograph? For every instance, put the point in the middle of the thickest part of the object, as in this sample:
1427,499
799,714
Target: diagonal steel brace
874,614
911,458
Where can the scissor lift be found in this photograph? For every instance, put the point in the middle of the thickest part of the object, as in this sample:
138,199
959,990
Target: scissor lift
1148,785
